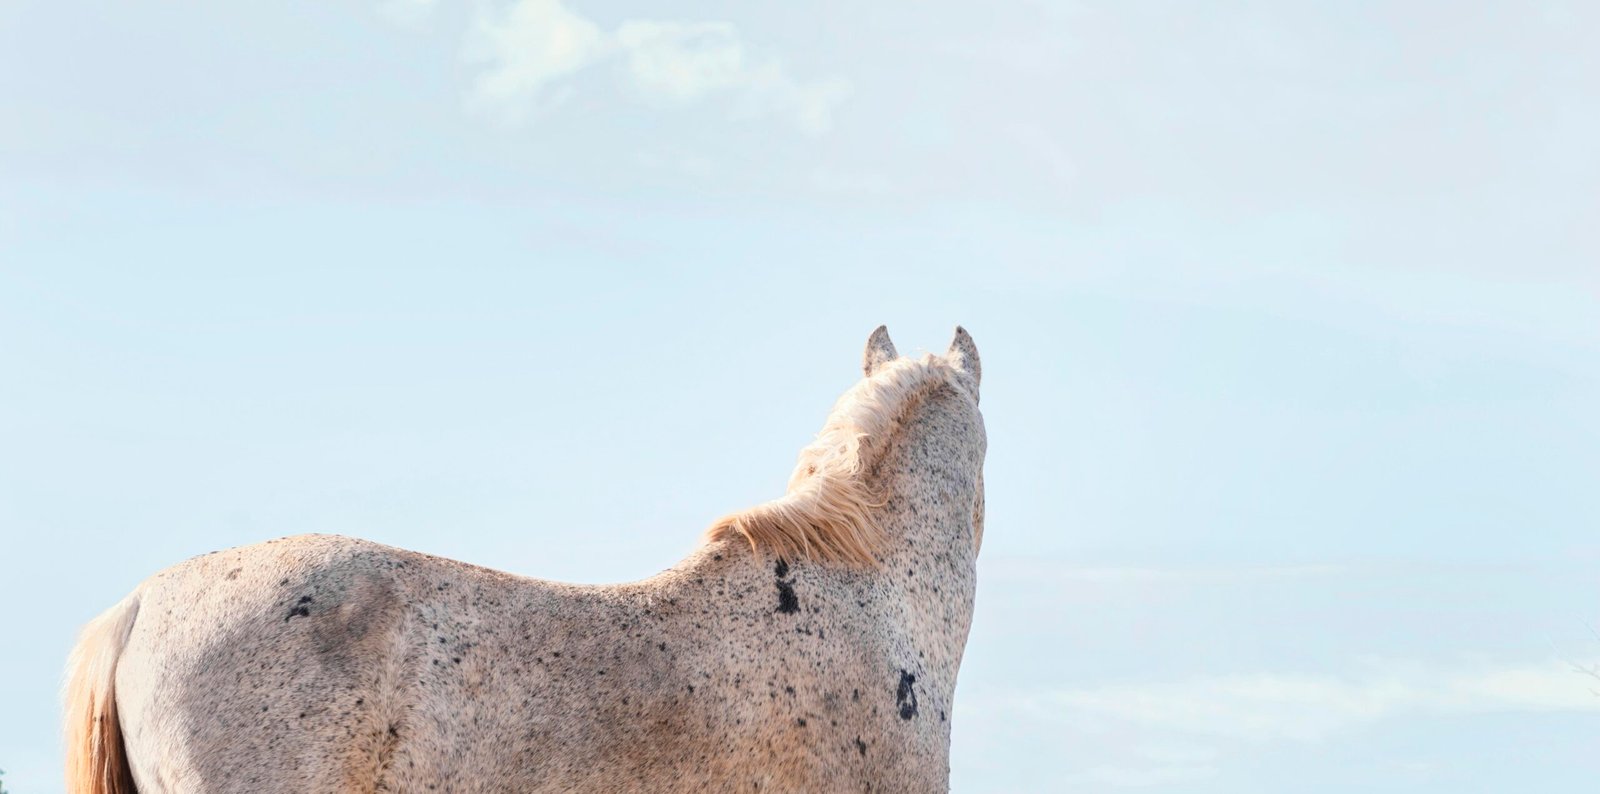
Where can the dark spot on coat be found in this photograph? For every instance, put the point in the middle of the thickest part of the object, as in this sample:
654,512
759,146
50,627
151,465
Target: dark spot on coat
905,695
788,602
297,612
233,574
306,599
861,746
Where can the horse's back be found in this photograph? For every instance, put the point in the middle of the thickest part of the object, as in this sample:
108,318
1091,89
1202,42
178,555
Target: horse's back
322,663
266,667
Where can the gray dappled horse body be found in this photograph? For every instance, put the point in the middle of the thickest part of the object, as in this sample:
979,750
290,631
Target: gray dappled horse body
810,644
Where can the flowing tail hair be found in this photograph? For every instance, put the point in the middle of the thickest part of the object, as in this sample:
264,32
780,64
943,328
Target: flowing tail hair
97,762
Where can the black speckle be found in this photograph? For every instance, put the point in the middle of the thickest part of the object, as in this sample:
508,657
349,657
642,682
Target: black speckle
905,696
855,696
306,599
661,646
941,716
788,602
717,557
801,721
297,612
861,746
282,582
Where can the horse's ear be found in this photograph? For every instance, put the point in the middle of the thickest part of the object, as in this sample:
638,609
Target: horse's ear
963,355
879,351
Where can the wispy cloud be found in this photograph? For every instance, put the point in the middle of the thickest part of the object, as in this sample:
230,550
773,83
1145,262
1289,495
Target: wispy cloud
1211,720
1058,571
530,51
1260,708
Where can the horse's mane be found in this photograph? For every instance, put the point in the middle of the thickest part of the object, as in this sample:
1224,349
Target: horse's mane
827,513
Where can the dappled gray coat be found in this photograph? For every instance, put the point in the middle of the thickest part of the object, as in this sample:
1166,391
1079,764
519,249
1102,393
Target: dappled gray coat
810,644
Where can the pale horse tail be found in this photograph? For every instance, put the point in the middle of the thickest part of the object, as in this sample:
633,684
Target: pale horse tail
97,762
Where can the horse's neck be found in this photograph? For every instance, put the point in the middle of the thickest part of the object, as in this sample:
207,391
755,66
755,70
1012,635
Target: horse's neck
930,561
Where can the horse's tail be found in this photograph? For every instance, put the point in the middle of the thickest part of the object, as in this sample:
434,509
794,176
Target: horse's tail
97,762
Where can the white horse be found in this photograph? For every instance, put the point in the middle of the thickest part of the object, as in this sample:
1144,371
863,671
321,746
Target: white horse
810,644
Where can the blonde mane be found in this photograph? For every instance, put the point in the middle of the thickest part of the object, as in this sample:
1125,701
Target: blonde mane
826,514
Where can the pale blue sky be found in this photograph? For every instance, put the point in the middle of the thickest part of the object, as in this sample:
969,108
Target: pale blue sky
1290,317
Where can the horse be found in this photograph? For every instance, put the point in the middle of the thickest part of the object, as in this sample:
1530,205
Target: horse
810,643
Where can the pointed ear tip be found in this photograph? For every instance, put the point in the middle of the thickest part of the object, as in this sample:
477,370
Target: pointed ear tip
881,330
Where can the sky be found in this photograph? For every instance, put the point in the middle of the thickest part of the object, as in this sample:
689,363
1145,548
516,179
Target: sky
1289,315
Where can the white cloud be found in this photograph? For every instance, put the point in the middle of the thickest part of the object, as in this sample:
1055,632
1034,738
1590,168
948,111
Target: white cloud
1167,733
531,49
532,45
1054,571
1306,707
